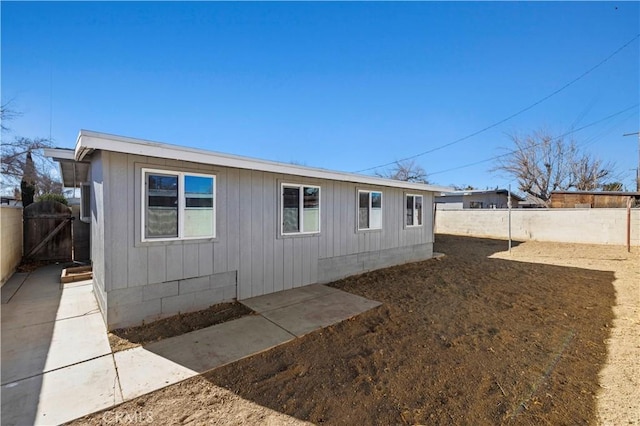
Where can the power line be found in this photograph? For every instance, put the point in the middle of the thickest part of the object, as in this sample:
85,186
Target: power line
495,157
491,126
599,135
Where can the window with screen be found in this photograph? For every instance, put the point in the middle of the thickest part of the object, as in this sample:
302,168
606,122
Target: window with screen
369,210
178,205
413,210
300,206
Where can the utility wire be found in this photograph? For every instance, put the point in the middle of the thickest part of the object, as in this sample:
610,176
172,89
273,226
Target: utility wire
486,160
599,135
491,126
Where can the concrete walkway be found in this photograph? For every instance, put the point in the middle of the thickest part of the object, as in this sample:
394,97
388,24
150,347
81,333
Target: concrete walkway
57,364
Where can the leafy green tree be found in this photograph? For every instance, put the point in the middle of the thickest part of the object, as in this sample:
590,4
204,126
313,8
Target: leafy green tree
612,186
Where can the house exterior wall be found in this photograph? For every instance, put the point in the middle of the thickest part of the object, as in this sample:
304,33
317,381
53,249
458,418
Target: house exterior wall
488,200
99,187
11,241
144,281
450,202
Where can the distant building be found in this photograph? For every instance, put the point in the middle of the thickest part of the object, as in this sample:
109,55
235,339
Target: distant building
532,202
593,199
7,200
476,199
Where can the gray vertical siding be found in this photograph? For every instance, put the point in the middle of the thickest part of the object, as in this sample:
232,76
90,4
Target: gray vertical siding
149,280
97,231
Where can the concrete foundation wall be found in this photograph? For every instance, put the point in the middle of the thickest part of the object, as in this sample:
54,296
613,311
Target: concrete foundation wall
161,300
335,268
11,241
590,226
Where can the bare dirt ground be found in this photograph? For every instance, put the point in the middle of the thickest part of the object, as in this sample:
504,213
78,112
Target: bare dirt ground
130,337
618,400
545,335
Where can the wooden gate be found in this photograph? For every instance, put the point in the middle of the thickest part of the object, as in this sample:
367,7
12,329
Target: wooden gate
47,231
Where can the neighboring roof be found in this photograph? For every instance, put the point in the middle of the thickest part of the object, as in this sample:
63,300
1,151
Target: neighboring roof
607,193
532,200
89,141
73,173
480,192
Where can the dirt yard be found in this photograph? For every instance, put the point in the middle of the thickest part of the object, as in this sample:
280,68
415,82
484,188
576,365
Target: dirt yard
545,335
130,337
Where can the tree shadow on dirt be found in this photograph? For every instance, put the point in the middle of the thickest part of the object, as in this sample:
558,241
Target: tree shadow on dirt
465,339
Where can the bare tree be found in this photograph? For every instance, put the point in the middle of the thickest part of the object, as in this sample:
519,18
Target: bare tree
463,187
7,114
542,163
589,173
407,170
22,160
14,155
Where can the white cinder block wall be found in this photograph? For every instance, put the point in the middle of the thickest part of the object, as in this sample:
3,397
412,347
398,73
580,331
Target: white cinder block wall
11,240
589,226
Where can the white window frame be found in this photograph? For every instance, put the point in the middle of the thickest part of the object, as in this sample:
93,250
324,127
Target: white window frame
413,210
301,209
181,204
370,208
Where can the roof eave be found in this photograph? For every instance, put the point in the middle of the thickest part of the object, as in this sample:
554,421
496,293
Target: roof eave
59,153
89,141
72,172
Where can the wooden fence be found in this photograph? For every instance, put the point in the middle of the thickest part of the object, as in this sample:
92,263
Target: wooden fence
47,232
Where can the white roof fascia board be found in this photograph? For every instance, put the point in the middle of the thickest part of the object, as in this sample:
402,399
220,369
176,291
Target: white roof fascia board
88,141
61,153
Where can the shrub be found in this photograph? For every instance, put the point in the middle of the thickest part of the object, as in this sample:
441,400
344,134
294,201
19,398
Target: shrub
50,196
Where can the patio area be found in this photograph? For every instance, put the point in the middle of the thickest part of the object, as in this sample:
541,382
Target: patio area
57,364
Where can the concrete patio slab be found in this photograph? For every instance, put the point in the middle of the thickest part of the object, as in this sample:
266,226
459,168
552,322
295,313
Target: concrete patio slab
31,350
71,302
12,285
41,284
212,347
61,395
319,312
140,370
272,301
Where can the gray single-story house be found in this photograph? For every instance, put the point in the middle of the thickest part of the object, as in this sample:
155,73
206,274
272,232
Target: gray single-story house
476,199
176,229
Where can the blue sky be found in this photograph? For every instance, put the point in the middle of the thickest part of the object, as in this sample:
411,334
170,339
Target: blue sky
343,86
